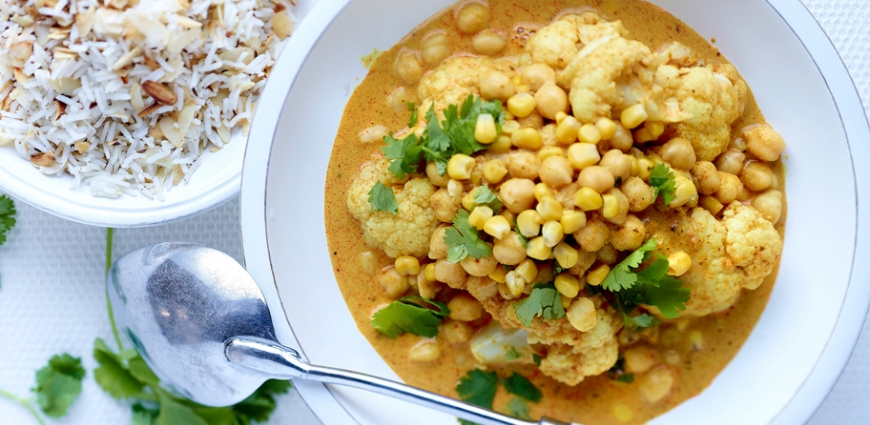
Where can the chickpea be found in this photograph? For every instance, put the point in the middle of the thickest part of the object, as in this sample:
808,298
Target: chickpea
594,235
399,99
437,246
533,120
640,195
473,18
509,250
769,204
424,352
479,266
393,283
729,189
556,171
607,254
451,274
434,177
482,288
537,75
731,162
679,153
582,315
618,163
408,67
705,177
435,49
489,43
496,85
445,208
640,359
524,165
456,332
629,236
622,139
517,194
757,176
764,142
551,100
657,384
369,262
597,178
622,206
465,308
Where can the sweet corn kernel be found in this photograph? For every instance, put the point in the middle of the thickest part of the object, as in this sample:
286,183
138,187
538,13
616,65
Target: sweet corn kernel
589,133
656,128
549,209
501,145
459,167
407,265
468,201
644,166
611,206
479,216
484,130
711,204
567,285
635,165
494,171
522,88
606,127
595,277
538,250
566,302
622,412
634,116
429,272
499,275
510,127
566,255
679,263
572,221
542,190
552,233
522,104
549,151
643,135
511,217
587,199
527,138
561,115
582,155
497,227
684,192
515,283
455,189
567,130
527,269
696,340
529,223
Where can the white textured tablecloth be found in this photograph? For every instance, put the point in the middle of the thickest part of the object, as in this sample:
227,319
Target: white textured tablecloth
52,298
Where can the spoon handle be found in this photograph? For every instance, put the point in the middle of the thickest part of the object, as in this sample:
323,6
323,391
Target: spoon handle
283,362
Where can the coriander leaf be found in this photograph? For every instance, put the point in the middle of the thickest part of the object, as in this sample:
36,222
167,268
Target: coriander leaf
58,384
513,354
523,240
438,308
640,321
517,407
463,240
7,216
260,405
536,358
437,139
655,272
175,413
405,154
626,378
478,387
382,198
662,179
670,296
622,277
519,385
412,122
544,301
112,376
405,315
144,416
485,196
140,370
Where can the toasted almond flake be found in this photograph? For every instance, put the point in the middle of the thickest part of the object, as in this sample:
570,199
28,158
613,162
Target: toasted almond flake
19,76
58,33
64,51
282,25
20,53
43,159
6,102
169,128
177,174
60,108
65,85
160,92
151,63
127,59
4,140
156,132
85,21
149,110
177,44
83,147
185,22
23,20
185,117
224,133
136,98
280,8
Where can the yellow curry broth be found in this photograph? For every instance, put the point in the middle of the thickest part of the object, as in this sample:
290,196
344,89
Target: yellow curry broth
593,401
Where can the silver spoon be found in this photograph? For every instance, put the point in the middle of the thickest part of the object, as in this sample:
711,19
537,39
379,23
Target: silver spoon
201,322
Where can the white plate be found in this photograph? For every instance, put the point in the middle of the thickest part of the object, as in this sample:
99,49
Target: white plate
802,340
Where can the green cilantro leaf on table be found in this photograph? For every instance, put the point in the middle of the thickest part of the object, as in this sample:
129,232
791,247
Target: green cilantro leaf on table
622,277
59,384
7,216
404,154
519,385
544,301
463,240
478,387
382,198
518,407
486,197
410,314
113,376
662,179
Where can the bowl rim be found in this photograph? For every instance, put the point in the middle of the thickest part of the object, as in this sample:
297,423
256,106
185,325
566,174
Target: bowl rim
828,367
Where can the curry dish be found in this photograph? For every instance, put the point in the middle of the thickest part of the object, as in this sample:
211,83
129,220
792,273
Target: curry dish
566,208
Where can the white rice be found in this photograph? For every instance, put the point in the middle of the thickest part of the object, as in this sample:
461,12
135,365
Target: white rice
71,74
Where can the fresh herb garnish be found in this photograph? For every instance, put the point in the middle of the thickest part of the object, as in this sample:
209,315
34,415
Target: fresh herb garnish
382,198
478,387
517,384
7,216
622,276
463,240
404,154
640,321
412,122
663,181
59,384
410,314
518,407
483,195
513,354
544,301
626,378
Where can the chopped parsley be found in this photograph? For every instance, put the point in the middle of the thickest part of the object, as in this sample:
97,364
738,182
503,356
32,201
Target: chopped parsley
517,384
662,179
7,216
411,314
404,154
544,301
59,384
463,240
382,198
483,195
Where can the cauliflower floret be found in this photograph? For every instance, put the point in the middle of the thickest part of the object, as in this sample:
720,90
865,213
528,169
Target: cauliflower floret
406,233
709,100
571,365
557,44
456,78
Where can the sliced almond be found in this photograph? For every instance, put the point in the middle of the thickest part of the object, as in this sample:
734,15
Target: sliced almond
151,63
20,53
149,110
185,22
43,159
83,147
85,21
5,140
19,76
160,92
280,8
224,133
156,132
282,25
65,85
23,20
169,128
60,108
185,117
127,59
177,44
136,98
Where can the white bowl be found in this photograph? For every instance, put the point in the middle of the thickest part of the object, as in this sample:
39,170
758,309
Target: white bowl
803,339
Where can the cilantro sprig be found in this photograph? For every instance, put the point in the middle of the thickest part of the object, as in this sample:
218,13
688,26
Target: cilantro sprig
544,301
410,314
663,182
58,385
382,198
463,240
484,196
479,388
7,216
